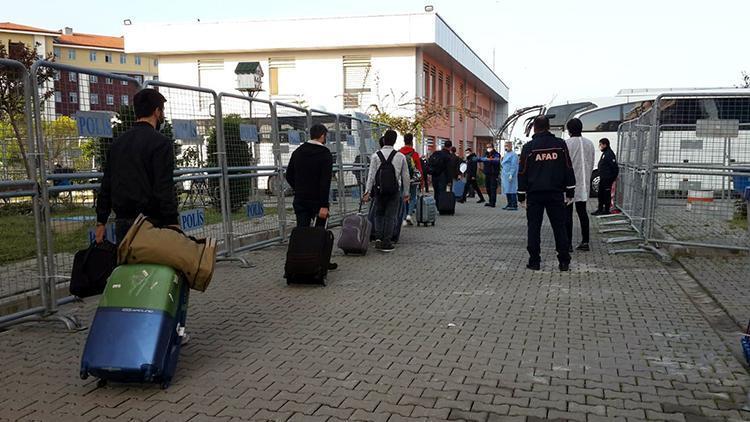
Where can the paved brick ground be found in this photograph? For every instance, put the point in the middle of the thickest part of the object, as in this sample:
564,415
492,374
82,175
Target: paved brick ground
727,279
450,327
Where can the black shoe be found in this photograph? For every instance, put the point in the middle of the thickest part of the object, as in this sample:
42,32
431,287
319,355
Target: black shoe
461,201
386,247
378,244
570,249
597,212
506,208
534,267
333,266
490,205
564,266
481,201
584,247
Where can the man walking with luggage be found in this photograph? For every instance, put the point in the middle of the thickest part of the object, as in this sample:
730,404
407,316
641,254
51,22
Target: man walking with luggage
411,154
547,179
388,185
138,172
491,168
309,173
440,162
582,157
471,176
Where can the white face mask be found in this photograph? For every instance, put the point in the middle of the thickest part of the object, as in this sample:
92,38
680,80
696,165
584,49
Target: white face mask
489,149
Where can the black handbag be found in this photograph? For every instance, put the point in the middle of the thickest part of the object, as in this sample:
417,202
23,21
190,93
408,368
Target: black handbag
91,269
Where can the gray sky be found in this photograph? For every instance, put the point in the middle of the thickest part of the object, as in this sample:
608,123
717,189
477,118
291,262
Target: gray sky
545,49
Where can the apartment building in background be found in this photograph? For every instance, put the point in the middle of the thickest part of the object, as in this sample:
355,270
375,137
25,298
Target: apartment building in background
340,64
73,91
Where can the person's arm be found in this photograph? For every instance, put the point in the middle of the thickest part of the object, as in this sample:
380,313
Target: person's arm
290,171
405,179
326,173
523,179
164,187
570,176
374,162
417,162
104,198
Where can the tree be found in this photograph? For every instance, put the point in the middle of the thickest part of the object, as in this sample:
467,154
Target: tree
12,98
745,80
238,155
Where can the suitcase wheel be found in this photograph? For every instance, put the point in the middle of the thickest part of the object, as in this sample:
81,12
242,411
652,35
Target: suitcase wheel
101,383
165,383
84,374
433,224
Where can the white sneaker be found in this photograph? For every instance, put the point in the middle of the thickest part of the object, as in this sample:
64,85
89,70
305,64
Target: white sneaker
408,220
403,223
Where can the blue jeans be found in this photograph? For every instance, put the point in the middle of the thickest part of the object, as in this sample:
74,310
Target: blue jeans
413,190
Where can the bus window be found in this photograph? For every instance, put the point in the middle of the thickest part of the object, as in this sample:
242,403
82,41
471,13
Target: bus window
682,112
631,111
734,109
603,120
559,115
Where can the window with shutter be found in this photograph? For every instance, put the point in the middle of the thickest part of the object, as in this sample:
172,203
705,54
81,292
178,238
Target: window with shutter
356,80
281,76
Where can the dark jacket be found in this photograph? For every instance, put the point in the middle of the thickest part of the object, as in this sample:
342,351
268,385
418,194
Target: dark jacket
309,174
608,168
471,166
455,166
138,177
440,163
545,167
491,168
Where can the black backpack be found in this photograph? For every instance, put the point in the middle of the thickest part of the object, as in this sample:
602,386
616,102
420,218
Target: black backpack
91,269
437,163
386,181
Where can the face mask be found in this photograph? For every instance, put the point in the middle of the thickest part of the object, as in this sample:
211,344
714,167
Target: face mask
489,149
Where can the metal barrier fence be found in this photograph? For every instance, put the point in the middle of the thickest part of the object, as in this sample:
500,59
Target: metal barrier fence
684,166
231,153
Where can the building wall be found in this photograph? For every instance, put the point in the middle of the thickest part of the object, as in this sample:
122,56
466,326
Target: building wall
317,79
148,67
45,41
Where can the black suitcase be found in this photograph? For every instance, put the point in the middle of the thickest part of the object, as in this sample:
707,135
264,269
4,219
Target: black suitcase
308,255
446,203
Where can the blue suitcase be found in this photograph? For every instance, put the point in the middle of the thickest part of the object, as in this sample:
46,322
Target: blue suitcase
138,327
458,188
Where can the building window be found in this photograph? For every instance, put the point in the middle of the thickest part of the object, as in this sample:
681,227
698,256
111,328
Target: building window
139,78
93,79
108,81
123,58
356,80
71,54
73,96
433,83
440,90
92,56
15,49
281,79
58,96
138,60
110,99
72,77
124,82
124,100
94,99
107,57
426,80
56,75
56,53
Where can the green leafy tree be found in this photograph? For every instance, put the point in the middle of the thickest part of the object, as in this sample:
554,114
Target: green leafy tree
238,155
12,99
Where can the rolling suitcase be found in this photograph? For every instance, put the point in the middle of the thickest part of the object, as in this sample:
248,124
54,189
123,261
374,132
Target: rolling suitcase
308,255
426,210
355,234
446,203
138,327
458,188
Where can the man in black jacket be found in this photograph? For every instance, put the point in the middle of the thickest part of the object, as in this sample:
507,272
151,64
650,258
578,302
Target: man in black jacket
138,172
309,174
546,177
440,168
608,172
471,176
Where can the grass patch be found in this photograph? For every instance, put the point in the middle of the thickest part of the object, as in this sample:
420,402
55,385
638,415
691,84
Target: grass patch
739,222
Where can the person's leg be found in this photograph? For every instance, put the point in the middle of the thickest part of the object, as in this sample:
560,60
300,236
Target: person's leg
514,196
534,215
569,223
601,196
478,190
379,220
608,196
493,192
583,217
413,192
555,206
304,215
390,211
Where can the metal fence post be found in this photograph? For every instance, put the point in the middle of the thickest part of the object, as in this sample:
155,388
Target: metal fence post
340,164
224,193
279,162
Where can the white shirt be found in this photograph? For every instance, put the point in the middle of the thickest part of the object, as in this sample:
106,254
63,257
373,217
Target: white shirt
582,154
399,163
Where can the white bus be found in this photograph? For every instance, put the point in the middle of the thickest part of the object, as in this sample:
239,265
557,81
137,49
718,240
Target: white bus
679,142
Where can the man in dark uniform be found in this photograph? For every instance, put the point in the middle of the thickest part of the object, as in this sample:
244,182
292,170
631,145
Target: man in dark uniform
546,178
138,172
471,176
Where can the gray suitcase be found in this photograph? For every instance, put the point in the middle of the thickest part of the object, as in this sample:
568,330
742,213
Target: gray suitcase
355,234
426,210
